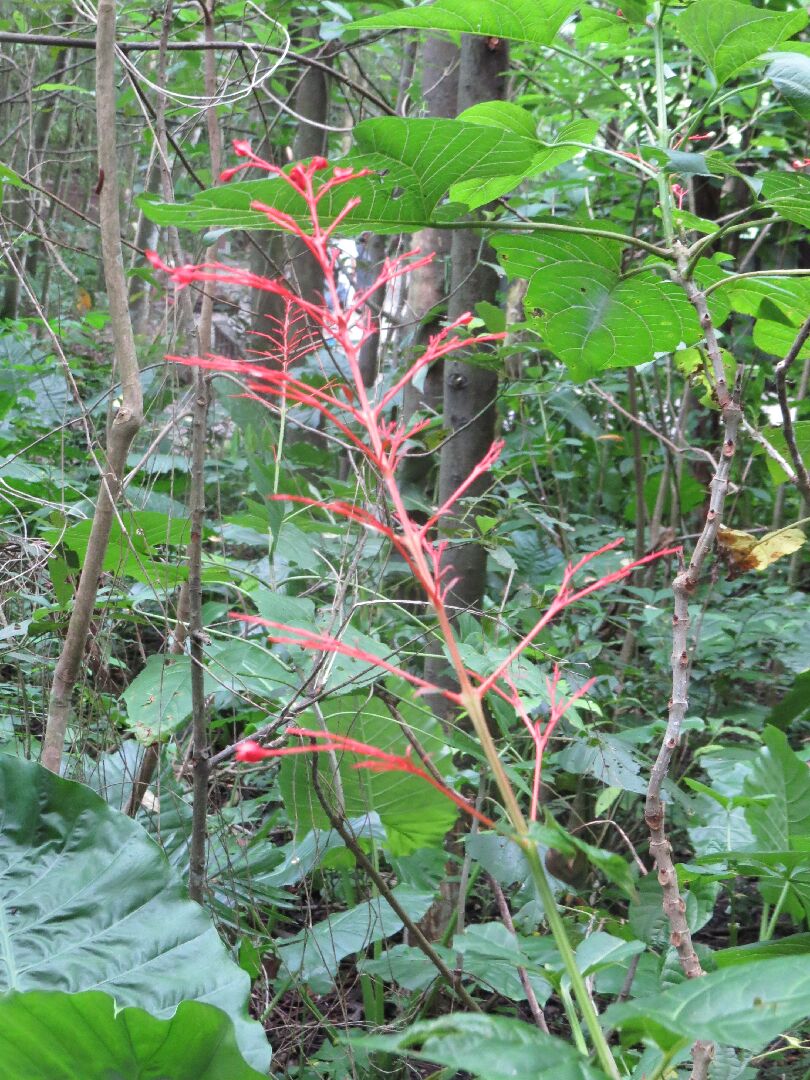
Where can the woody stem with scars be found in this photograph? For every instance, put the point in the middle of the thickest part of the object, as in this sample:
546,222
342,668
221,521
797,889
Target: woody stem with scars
683,588
360,414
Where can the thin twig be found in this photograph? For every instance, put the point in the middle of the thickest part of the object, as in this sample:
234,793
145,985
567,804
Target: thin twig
801,479
528,989
415,934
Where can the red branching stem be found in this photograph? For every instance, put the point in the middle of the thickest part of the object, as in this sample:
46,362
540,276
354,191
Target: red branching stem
359,414
376,760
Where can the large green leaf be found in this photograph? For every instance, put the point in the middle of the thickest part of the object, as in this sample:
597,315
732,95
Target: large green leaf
315,954
779,772
744,1006
88,901
489,1047
586,312
520,20
801,431
59,1036
728,35
131,550
506,116
492,956
789,195
414,163
790,74
414,814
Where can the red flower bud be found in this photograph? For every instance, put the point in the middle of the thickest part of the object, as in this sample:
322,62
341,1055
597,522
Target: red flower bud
249,750
242,148
318,163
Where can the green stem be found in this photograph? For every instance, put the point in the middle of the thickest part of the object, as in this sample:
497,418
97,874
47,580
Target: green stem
573,1020
557,927
754,274
766,909
662,132
777,911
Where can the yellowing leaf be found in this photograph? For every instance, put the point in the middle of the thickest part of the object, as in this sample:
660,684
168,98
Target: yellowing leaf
745,552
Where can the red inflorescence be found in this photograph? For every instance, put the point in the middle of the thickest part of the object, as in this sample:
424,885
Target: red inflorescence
360,415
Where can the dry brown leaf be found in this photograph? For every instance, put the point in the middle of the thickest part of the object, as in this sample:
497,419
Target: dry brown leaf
746,552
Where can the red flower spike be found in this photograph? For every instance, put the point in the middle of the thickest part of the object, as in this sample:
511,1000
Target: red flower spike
360,418
250,750
376,761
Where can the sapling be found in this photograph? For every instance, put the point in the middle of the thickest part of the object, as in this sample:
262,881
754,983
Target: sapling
360,415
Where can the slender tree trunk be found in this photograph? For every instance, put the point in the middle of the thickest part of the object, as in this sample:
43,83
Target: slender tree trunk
127,420
469,390
428,286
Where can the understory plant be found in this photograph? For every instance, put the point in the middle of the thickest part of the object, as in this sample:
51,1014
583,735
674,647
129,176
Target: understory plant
361,415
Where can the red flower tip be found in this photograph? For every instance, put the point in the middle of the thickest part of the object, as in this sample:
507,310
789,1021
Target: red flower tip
298,177
341,174
155,260
250,750
318,163
680,194
242,148
699,138
227,174
800,163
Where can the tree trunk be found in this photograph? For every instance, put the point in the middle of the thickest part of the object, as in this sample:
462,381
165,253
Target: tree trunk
470,391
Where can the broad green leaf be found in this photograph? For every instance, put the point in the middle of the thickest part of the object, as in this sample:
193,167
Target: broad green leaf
796,701
51,1035
585,312
159,698
415,815
314,955
600,950
777,336
475,193
499,856
647,919
489,1047
779,772
795,945
83,883
414,161
131,550
790,74
536,21
728,34
492,956
789,195
744,1006
406,966
601,27
606,758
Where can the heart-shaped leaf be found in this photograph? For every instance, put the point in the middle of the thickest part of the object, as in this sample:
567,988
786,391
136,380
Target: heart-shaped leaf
520,20
728,35
87,900
587,313
59,1036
